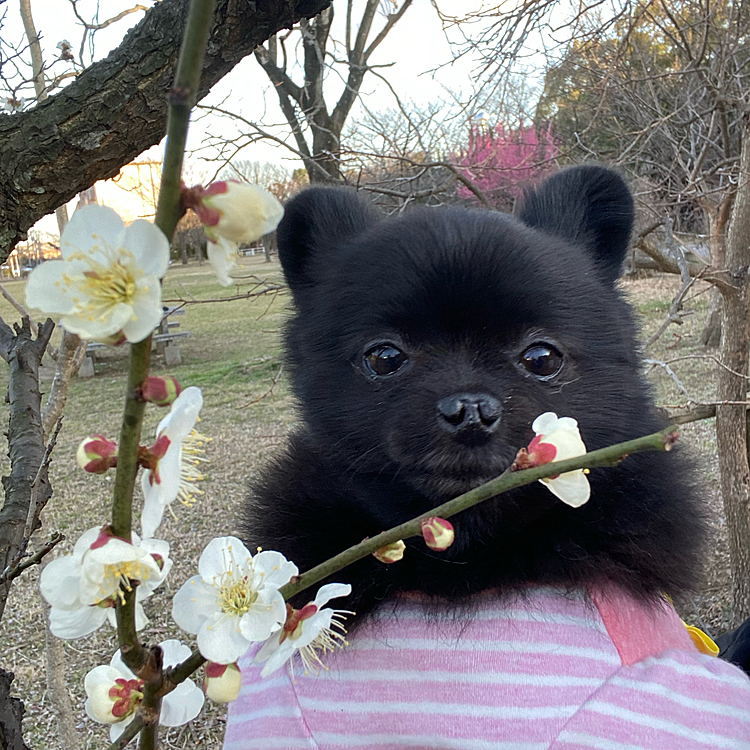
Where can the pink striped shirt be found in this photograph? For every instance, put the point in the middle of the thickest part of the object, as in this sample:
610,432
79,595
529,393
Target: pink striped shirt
566,672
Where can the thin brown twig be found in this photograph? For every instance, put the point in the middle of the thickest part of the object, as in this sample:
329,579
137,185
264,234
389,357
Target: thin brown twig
268,392
20,308
13,572
247,295
130,732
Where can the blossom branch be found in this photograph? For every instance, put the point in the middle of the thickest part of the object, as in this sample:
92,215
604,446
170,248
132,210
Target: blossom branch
146,663
130,732
609,456
179,673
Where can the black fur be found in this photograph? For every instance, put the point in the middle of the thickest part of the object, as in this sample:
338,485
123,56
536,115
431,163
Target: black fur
464,293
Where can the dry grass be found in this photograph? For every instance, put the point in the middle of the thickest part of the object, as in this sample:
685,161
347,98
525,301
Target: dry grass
233,355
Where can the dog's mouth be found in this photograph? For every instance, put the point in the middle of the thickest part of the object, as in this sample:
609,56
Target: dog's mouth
445,477
445,487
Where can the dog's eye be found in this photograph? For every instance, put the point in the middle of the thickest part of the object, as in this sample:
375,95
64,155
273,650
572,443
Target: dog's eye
383,360
542,360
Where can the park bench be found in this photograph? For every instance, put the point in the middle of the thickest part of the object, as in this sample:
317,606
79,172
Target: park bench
166,339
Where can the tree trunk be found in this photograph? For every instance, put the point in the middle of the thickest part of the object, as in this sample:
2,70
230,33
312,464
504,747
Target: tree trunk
731,425
117,107
11,714
25,438
717,226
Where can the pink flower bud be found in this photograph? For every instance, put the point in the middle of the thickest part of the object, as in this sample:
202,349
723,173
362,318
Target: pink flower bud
235,211
390,553
438,533
96,454
161,391
222,682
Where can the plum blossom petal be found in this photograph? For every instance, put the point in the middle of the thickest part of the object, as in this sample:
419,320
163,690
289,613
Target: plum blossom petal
558,439
306,632
86,228
146,310
220,639
139,238
235,601
46,292
222,255
173,474
108,280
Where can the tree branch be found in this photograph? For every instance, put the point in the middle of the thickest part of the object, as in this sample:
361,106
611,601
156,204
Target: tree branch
86,132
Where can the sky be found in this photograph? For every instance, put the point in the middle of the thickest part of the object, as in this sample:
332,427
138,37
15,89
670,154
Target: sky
416,46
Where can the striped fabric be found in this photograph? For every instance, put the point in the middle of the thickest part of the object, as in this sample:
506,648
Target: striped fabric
547,671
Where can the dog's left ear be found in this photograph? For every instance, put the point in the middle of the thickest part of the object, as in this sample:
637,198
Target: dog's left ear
589,206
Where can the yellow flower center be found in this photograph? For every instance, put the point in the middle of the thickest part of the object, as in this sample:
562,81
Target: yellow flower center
104,284
110,285
236,596
117,576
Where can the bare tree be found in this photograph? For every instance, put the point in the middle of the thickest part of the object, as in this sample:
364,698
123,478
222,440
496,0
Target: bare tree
662,94
316,128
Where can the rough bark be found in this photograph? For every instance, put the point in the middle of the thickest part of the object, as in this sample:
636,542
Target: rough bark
11,714
25,484
717,224
69,358
731,425
117,107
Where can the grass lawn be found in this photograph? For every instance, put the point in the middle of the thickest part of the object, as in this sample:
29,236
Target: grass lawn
233,355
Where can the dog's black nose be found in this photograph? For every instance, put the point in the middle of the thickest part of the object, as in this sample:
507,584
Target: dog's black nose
475,411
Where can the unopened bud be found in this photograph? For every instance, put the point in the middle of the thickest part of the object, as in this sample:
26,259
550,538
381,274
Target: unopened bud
97,454
222,682
161,391
391,552
438,533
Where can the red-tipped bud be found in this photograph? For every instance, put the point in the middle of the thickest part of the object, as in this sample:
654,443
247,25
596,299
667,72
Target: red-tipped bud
438,533
96,454
390,553
222,682
161,391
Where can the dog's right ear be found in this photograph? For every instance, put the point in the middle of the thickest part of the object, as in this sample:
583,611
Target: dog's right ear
315,222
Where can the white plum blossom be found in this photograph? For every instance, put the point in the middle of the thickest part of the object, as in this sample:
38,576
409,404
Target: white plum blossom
558,439
175,453
235,599
238,211
232,212
114,693
83,588
107,284
305,632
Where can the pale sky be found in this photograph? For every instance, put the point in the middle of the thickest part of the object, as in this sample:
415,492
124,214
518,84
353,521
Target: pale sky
416,45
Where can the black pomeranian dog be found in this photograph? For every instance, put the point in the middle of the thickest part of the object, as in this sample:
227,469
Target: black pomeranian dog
422,348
